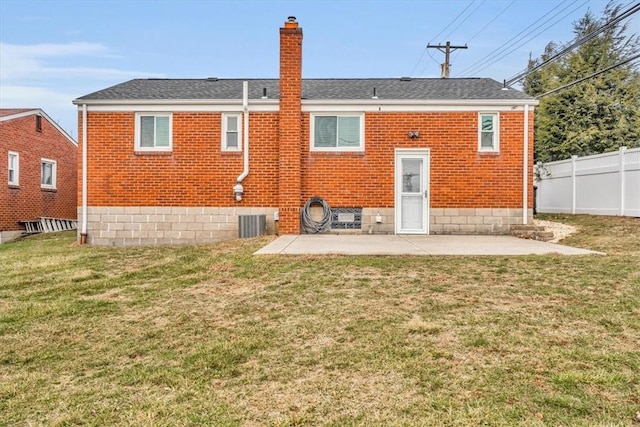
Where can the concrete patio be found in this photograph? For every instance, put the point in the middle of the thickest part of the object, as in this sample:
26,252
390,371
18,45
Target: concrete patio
359,244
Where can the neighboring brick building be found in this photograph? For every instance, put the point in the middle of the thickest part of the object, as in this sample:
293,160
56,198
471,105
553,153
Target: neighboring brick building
40,170
404,155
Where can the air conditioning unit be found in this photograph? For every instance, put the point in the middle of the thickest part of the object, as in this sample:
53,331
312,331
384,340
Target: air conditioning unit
252,225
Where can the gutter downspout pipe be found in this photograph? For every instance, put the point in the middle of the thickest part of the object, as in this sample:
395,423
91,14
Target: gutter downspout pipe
83,228
525,168
238,189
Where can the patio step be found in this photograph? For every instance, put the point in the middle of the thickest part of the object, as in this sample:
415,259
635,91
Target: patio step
532,232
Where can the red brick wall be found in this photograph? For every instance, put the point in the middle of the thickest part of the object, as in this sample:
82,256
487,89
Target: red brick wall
460,176
197,173
29,201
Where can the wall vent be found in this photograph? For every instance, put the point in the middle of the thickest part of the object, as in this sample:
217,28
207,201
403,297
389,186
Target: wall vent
252,225
346,219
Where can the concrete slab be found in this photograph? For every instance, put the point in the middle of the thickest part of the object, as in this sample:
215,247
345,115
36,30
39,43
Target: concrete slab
364,244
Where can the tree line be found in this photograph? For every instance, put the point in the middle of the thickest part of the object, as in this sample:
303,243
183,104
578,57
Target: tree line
599,114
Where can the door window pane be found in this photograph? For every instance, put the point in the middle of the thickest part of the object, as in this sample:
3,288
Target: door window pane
411,176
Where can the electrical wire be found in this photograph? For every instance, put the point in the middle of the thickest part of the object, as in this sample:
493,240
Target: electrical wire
627,13
480,65
515,48
455,55
589,76
426,50
491,22
465,19
454,20
309,224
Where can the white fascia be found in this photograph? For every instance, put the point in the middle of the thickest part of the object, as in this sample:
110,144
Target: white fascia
404,105
273,105
178,105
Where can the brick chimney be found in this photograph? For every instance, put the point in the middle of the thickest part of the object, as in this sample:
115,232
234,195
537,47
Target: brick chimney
290,146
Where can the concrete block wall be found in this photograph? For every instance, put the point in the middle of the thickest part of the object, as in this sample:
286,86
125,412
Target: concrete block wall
449,220
475,220
7,236
369,224
127,226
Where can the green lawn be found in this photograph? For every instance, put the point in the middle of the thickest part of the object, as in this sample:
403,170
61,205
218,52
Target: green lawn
211,335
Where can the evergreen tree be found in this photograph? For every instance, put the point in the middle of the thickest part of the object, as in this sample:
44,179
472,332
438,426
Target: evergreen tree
598,115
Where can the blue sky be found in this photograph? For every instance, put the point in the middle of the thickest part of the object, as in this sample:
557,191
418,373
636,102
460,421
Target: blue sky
53,51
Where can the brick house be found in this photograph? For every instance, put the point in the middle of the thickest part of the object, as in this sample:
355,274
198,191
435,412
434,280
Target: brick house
40,169
179,160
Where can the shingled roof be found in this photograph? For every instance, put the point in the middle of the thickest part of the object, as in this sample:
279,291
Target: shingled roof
312,89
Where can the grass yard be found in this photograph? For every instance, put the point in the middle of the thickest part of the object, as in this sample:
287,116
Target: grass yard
211,335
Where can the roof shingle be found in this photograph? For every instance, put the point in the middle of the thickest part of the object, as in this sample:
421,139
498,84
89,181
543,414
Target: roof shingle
312,89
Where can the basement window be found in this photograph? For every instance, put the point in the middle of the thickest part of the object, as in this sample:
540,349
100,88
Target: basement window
48,174
232,132
338,132
488,135
153,132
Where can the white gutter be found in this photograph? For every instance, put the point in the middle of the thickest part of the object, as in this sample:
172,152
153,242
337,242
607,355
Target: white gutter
525,168
83,229
238,189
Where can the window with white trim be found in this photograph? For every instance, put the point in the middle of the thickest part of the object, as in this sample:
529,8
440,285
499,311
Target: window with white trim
488,135
48,170
153,132
337,132
14,168
232,132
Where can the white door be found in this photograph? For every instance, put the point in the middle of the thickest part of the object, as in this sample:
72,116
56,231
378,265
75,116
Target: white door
412,191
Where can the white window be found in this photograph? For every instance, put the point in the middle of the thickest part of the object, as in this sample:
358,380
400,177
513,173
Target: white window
48,173
14,168
232,132
342,132
488,135
153,132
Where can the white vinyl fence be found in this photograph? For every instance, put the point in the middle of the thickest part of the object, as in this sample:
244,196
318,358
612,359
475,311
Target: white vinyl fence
603,184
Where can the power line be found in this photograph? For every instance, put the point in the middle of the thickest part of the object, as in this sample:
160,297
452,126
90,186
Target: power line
523,40
491,22
436,36
465,19
419,60
454,20
577,43
486,25
589,76
497,51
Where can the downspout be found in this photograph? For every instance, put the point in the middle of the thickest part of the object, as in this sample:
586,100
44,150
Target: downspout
525,168
238,189
83,228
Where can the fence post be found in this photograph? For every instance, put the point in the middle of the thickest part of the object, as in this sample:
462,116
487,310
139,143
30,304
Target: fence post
621,158
573,183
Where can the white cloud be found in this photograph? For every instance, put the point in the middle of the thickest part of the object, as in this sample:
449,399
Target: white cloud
50,76
33,97
26,62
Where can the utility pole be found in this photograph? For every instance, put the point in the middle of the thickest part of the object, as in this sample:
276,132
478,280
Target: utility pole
447,52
